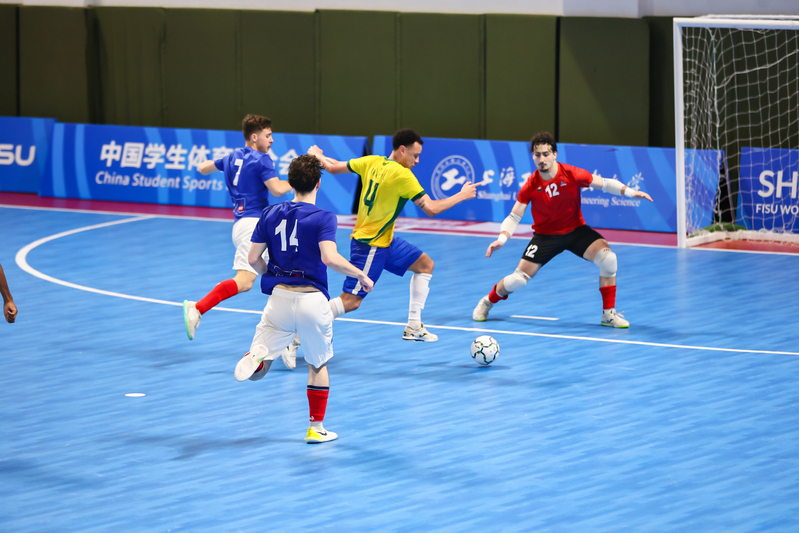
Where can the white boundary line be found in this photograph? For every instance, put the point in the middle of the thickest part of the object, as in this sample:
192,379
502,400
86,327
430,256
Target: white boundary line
346,224
534,317
22,262
116,213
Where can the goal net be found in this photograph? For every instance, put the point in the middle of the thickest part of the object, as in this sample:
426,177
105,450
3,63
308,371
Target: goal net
737,128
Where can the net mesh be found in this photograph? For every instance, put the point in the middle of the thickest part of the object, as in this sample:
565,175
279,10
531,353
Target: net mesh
741,119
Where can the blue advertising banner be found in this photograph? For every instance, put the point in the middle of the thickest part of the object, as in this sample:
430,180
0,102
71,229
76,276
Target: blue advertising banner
159,165
769,189
445,164
24,145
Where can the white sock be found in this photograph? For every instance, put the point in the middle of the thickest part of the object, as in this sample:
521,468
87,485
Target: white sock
337,306
317,425
419,291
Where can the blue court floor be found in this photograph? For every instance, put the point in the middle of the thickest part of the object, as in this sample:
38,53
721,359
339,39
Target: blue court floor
688,421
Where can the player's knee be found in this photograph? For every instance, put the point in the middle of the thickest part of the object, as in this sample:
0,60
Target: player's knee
423,265
515,281
350,302
244,285
605,259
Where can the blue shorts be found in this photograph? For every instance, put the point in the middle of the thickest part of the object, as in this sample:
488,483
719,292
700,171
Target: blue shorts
397,258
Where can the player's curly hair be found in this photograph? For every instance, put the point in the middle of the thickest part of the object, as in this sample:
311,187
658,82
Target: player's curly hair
405,137
253,124
543,137
304,173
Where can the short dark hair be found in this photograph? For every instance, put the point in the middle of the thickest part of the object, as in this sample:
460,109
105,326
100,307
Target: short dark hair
253,124
543,137
405,137
304,173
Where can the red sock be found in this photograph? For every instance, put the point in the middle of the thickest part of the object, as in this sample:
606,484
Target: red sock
222,291
493,297
317,402
608,296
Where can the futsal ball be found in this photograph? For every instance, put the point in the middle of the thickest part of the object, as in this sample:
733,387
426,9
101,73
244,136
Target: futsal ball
485,350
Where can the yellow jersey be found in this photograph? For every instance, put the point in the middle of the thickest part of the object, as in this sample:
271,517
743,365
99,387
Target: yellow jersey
385,188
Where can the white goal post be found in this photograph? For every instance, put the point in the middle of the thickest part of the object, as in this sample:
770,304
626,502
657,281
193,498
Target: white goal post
736,94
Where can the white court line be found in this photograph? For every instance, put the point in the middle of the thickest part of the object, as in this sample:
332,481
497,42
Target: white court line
534,317
21,259
574,337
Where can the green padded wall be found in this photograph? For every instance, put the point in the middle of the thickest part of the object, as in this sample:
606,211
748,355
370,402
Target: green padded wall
278,68
521,75
661,81
8,60
54,71
130,68
358,72
201,71
604,81
443,75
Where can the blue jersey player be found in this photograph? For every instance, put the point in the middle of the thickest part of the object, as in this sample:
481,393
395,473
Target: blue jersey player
300,239
250,176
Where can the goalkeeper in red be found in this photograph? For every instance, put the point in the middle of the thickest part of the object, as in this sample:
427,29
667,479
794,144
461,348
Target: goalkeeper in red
553,192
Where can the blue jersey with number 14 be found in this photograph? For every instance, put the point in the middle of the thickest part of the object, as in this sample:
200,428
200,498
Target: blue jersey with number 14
246,170
292,232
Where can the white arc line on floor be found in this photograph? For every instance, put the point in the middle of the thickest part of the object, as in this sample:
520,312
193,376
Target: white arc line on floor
534,317
21,259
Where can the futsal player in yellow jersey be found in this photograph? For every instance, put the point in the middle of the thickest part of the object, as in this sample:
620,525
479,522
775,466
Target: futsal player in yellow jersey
387,183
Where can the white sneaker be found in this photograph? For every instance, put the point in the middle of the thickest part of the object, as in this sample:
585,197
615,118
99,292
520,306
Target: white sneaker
480,312
315,436
420,334
613,319
289,354
191,317
247,365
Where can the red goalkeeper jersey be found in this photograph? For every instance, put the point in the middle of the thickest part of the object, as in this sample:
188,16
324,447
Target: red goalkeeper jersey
555,204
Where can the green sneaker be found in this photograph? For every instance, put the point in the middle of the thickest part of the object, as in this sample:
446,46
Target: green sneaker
613,319
191,317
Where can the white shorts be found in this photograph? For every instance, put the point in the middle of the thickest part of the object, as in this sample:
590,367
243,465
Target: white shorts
242,233
290,312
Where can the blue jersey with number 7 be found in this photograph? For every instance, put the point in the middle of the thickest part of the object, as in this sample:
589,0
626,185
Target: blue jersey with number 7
292,232
246,170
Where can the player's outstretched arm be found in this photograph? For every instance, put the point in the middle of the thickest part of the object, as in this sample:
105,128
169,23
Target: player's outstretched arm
255,258
207,167
432,207
328,163
9,309
277,186
507,228
616,187
337,262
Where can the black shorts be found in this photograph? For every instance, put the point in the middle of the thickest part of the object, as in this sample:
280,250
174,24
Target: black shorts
542,248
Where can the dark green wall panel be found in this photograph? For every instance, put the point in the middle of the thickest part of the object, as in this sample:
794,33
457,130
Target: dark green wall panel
443,75
201,69
278,68
661,81
604,81
8,59
521,69
130,70
55,51
358,75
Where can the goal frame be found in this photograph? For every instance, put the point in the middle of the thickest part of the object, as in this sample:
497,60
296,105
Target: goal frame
710,21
